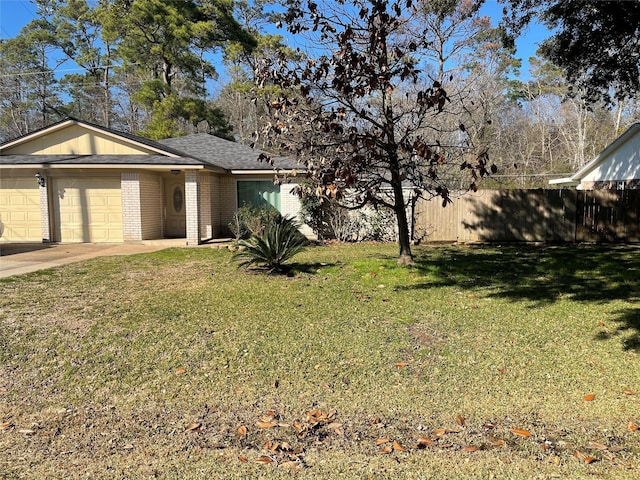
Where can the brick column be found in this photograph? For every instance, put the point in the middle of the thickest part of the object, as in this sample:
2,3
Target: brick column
192,204
131,211
45,223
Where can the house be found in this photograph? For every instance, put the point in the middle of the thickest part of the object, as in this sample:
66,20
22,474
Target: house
616,167
78,182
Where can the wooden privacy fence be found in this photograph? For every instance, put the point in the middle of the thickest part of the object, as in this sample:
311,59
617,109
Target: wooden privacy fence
531,216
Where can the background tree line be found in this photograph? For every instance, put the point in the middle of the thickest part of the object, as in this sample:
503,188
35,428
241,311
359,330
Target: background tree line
148,67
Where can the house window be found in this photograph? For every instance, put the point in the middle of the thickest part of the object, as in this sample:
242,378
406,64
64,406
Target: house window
258,193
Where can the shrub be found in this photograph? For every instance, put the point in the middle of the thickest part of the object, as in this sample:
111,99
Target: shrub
278,243
248,220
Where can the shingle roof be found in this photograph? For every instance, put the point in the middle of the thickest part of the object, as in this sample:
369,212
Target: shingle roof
98,160
224,153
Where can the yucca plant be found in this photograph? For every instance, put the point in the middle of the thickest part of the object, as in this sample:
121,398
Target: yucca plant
279,242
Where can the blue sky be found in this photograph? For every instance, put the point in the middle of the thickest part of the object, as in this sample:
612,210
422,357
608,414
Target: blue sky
14,14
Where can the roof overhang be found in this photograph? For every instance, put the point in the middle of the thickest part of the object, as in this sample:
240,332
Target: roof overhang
569,181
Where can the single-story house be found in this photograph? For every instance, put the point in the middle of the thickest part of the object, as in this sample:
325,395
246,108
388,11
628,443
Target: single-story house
616,167
78,182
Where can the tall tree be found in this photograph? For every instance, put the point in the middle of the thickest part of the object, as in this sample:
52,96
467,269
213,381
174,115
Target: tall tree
365,118
167,39
597,43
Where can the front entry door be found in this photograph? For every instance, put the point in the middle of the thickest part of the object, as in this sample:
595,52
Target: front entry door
175,211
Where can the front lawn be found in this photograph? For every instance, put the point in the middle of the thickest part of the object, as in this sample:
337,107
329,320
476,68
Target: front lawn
479,362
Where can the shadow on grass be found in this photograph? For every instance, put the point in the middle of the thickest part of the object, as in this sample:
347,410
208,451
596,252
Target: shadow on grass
628,321
542,274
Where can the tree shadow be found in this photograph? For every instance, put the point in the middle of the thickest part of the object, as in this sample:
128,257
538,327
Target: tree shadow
628,321
593,274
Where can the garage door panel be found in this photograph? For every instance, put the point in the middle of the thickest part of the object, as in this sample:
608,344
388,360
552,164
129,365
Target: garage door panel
20,209
89,209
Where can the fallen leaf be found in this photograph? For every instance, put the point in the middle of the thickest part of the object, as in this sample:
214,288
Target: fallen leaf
386,449
629,392
489,426
581,456
596,445
520,432
439,432
290,464
397,447
26,431
501,371
589,460
261,424
424,441
470,448
632,427
401,364
242,430
460,420
243,459
264,459
128,446
589,398
498,442
601,323
297,426
180,371
382,441
6,426
192,426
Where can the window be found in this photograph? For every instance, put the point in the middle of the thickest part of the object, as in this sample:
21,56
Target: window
258,193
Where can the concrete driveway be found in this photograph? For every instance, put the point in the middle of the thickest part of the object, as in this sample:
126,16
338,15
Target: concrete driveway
19,258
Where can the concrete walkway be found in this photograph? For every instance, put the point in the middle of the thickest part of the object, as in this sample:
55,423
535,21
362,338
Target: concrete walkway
19,258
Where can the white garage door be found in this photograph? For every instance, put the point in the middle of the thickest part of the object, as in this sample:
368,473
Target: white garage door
20,210
88,209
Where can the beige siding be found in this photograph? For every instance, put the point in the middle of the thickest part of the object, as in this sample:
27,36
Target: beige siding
20,209
77,140
151,206
206,219
214,182
88,209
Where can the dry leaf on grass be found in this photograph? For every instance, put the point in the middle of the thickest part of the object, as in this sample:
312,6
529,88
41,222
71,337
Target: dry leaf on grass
632,427
470,448
590,397
26,431
261,424
424,442
585,458
460,420
397,447
382,441
401,364
520,432
6,426
192,426
242,430
243,459
180,371
386,449
265,459
597,446
629,392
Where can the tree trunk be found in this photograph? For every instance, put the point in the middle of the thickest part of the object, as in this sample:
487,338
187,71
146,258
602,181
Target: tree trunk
405,257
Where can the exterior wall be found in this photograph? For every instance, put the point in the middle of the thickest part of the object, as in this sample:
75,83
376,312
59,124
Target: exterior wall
131,214
206,217
228,202
214,184
621,164
192,204
290,207
45,224
151,206
21,207
76,140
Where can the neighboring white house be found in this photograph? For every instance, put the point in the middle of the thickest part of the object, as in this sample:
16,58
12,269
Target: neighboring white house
78,182
616,167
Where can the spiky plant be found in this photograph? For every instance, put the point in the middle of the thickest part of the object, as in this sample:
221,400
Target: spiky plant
279,242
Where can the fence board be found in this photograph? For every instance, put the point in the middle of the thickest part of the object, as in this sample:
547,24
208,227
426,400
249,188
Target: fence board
531,216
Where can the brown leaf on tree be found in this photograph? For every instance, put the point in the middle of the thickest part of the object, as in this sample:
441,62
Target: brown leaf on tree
590,397
460,420
397,447
242,430
629,392
382,441
520,432
470,448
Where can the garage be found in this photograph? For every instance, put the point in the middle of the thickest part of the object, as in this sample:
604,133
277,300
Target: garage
20,210
87,209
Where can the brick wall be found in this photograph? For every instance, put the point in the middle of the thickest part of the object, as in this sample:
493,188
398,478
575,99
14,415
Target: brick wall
131,213
192,194
44,212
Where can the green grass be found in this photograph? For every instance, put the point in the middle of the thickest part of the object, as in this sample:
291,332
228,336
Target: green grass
510,337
